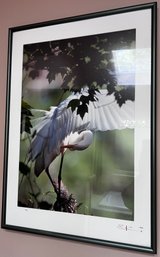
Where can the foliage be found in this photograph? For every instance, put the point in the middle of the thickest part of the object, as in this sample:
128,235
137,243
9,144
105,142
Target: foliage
82,62
23,168
26,117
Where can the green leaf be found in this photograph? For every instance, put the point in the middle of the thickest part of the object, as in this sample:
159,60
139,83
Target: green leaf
92,98
84,99
23,168
51,76
34,74
82,110
25,105
74,103
26,112
125,94
25,117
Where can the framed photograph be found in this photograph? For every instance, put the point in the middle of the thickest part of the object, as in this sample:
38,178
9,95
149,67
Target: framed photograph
80,129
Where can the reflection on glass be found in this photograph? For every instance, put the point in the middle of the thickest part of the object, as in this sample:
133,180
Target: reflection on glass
100,178
124,63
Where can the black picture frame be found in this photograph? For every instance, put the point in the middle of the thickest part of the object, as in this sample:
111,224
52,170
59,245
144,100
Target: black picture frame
126,234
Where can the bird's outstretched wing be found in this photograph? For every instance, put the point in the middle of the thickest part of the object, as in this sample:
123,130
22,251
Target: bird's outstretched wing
103,114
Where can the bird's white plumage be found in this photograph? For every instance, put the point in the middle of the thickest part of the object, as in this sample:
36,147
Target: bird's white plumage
105,114
78,141
61,123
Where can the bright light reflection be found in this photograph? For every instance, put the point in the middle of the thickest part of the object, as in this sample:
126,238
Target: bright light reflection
132,66
124,61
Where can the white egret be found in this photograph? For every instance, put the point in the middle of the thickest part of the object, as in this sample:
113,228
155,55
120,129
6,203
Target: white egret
62,128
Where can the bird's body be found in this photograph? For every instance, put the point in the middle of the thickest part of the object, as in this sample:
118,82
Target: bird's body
62,128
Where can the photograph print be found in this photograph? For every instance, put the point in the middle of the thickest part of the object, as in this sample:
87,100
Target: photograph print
77,125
